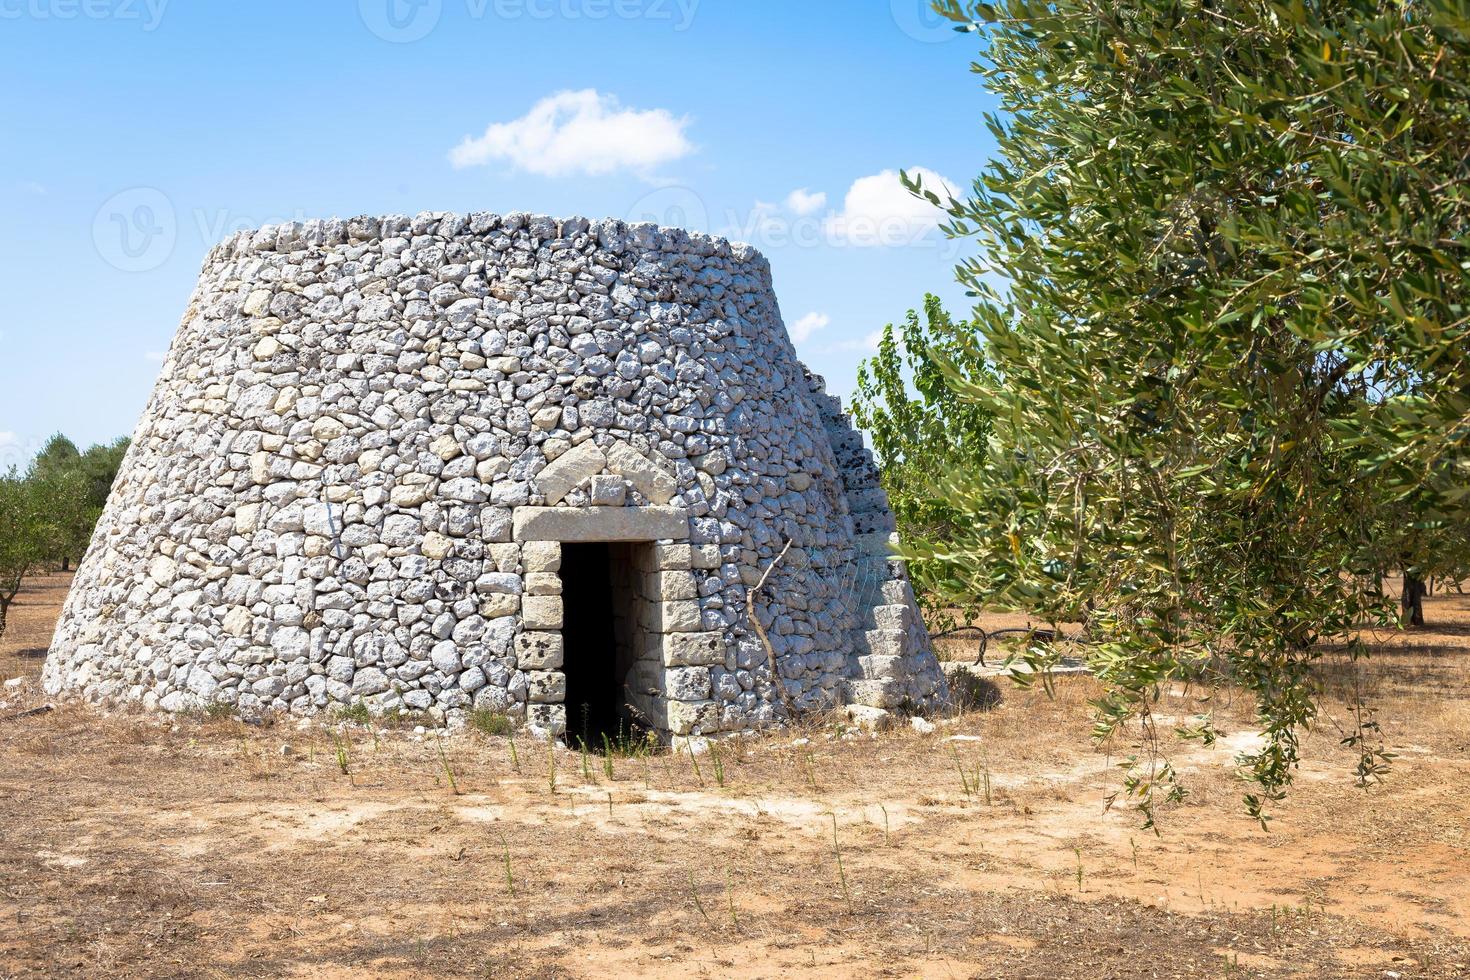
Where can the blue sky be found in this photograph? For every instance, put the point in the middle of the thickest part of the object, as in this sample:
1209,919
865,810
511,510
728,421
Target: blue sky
134,134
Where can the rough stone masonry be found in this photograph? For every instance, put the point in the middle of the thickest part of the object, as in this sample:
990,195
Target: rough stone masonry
372,440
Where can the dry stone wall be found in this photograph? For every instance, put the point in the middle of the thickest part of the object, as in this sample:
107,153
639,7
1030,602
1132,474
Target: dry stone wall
371,437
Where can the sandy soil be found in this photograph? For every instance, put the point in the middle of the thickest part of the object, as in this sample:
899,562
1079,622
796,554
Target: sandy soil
143,846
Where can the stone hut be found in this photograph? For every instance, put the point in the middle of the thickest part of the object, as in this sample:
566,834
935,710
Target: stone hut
501,462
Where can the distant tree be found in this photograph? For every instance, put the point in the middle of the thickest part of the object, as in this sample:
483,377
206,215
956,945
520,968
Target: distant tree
74,487
59,455
22,538
1224,284
100,465
920,427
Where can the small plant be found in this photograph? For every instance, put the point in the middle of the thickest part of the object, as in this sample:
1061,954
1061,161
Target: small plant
730,899
607,757
448,770
719,765
515,759
510,882
586,772
488,722
339,745
887,840
697,772
841,872
356,713
1078,852
808,760
218,711
551,765
694,894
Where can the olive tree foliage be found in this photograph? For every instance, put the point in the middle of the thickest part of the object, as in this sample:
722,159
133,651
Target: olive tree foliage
75,485
1231,339
48,515
23,537
921,429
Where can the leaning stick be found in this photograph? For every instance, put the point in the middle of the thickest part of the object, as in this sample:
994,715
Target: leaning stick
760,631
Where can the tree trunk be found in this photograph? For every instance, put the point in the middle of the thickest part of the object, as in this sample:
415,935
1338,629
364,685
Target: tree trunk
65,564
1411,602
4,611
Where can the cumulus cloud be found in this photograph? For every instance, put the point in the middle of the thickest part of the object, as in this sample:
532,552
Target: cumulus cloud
9,440
583,132
878,210
862,345
803,201
802,329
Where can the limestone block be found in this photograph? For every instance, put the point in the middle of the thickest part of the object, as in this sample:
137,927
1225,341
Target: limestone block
689,718
541,612
500,604
607,491
680,616
869,719
543,583
550,718
652,480
671,585
546,686
884,643
539,651
506,557
704,556
674,556
686,683
690,649
568,470
495,524
894,617
600,523
541,556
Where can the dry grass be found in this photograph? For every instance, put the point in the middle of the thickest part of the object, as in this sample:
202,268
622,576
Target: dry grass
144,846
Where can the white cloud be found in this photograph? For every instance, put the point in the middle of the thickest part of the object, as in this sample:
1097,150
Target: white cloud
582,132
879,210
9,440
802,329
861,345
157,356
803,201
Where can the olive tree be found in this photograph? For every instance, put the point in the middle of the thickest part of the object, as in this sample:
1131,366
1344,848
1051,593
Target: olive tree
1230,336
22,537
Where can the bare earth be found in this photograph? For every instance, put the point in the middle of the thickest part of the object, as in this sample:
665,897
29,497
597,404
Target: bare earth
143,846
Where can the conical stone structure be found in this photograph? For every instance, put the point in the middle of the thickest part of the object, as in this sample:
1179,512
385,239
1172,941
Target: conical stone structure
499,462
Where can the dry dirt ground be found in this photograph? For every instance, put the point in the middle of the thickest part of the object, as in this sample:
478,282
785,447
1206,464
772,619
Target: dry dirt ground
139,846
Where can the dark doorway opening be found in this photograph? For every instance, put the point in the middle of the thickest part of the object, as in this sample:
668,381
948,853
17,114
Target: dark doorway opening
599,626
